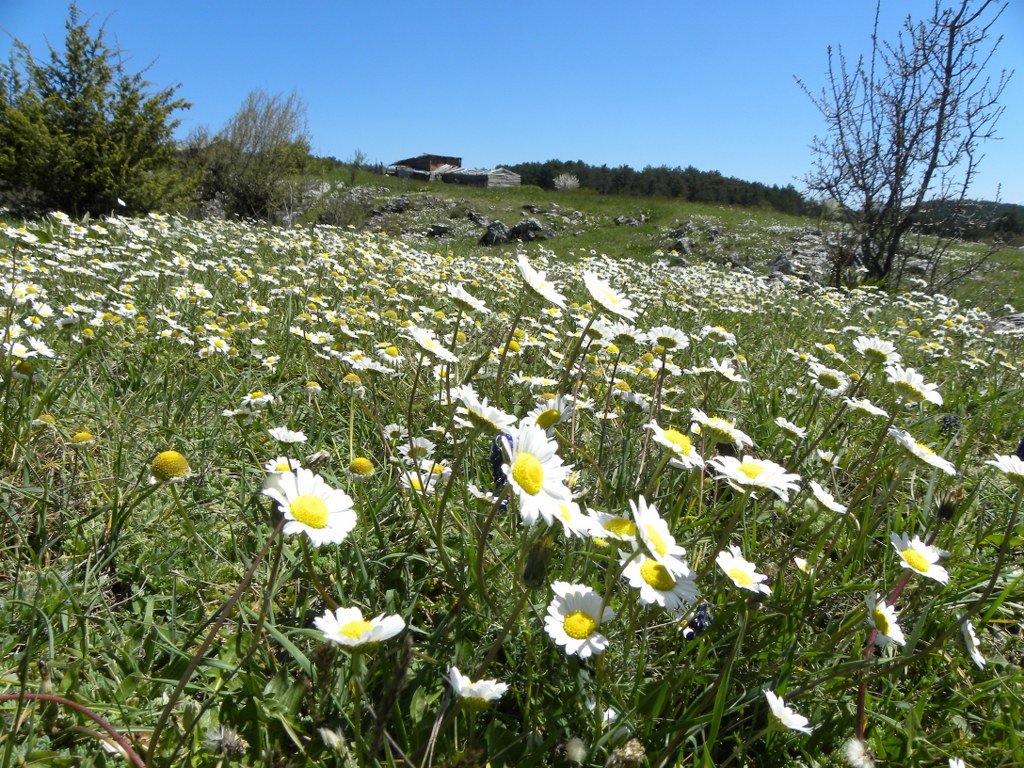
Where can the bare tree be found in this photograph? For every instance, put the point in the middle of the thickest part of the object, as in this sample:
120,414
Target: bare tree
905,128
247,164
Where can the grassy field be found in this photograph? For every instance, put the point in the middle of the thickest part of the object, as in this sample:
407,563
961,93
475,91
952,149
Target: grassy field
269,496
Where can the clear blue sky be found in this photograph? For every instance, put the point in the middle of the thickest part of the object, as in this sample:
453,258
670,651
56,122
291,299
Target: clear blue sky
660,82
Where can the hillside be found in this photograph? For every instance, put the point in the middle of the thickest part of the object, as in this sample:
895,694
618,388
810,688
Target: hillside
574,222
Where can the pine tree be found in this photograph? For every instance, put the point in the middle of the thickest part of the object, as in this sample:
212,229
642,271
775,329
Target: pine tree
78,132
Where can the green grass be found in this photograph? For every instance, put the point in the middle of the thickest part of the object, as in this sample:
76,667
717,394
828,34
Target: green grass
183,616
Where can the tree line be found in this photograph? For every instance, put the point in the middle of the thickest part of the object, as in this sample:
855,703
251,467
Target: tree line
687,183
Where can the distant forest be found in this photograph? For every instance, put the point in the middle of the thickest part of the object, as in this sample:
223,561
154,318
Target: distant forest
688,183
977,221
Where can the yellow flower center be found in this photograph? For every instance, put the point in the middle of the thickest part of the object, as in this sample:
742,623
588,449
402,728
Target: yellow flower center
361,466
916,560
282,466
750,469
740,576
309,510
881,621
623,386
925,449
655,541
83,437
513,345
678,439
620,526
353,379
579,625
657,575
548,418
256,395
169,465
355,629
392,350
528,472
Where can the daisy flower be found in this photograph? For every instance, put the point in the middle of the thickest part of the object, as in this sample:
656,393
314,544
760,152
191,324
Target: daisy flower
608,297
883,618
911,386
828,380
464,300
312,507
750,474
574,522
921,451
417,449
604,525
679,445
865,406
719,430
285,435
478,413
877,351
920,557
574,617
657,584
425,338
347,627
423,481
549,413
475,693
668,337
791,428
169,467
742,572
784,716
257,399
1011,466
537,282
826,499
971,639
537,474
660,544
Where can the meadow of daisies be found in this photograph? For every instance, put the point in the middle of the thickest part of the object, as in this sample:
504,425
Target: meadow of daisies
306,496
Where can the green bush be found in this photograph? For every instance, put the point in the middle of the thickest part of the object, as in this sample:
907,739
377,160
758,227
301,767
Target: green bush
80,134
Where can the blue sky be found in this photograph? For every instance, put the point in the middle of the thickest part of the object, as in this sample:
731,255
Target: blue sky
666,82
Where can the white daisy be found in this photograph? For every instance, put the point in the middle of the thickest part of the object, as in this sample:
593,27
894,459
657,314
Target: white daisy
536,473
719,430
1011,466
911,386
657,584
828,380
742,572
653,532
921,451
784,716
791,428
877,351
312,507
865,406
347,627
826,499
464,300
971,639
285,435
537,282
883,618
608,297
679,445
574,617
668,337
477,413
428,342
476,692
750,474
920,557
